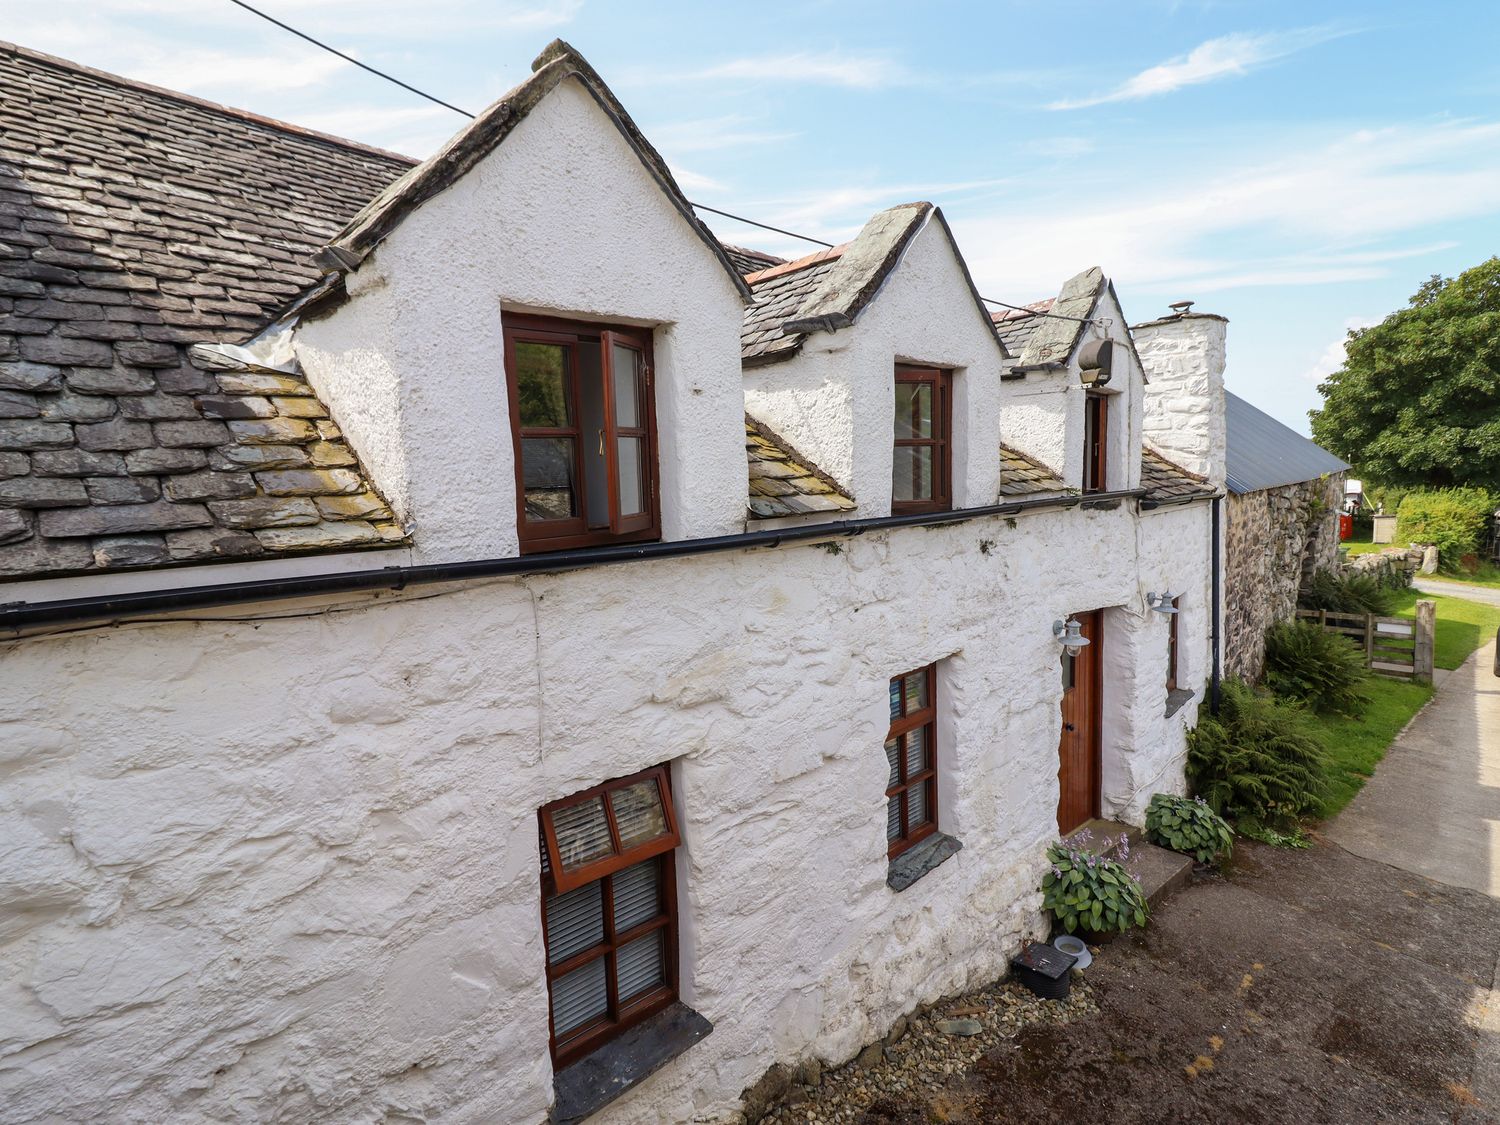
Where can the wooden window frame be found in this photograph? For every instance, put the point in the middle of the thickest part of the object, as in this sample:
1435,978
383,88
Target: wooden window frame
903,724
1172,645
1096,442
941,381
563,534
617,1017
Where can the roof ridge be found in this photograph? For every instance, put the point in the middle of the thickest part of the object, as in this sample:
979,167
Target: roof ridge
832,253
8,48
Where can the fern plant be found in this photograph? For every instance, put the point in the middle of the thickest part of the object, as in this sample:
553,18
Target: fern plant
1259,763
1189,826
1092,893
1347,593
1322,669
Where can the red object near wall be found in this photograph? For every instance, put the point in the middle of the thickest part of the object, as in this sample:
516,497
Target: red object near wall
1346,527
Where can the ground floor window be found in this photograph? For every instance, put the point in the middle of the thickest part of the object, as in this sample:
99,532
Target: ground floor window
911,753
609,909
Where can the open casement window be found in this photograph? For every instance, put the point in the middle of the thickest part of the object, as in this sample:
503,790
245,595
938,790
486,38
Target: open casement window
1095,442
609,910
1172,645
911,754
584,421
921,474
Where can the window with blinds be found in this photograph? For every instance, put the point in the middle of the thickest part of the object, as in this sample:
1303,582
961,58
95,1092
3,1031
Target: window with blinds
608,909
911,754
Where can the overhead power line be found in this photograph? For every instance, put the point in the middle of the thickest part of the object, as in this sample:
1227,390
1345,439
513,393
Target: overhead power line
699,206
350,58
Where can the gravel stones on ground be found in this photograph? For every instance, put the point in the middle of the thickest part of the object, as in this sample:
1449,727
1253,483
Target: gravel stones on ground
926,1051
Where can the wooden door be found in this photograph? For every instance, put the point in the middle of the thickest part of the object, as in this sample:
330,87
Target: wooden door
1078,773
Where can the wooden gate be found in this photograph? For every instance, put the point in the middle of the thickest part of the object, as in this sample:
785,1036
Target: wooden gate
1399,647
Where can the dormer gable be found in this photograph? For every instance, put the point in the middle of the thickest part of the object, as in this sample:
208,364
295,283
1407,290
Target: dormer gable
550,212
824,339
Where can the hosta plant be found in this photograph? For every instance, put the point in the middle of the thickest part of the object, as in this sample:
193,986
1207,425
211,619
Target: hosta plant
1189,826
1089,893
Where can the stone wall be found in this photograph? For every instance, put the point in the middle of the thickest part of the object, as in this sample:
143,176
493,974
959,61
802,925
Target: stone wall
1273,539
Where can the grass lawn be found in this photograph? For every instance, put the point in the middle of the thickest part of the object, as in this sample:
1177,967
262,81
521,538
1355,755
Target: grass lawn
1361,545
1462,625
1357,745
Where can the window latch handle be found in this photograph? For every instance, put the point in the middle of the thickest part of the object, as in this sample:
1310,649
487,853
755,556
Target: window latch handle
601,443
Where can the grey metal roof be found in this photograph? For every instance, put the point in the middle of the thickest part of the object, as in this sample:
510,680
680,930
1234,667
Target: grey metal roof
1263,453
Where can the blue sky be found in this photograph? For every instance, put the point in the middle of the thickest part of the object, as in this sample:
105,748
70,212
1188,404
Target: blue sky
1298,167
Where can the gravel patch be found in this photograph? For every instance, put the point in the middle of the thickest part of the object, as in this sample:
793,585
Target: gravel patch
919,1061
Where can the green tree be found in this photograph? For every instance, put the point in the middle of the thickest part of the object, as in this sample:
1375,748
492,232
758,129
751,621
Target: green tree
1417,401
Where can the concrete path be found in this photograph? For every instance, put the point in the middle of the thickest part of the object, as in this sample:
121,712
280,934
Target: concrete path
1485,594
1433,806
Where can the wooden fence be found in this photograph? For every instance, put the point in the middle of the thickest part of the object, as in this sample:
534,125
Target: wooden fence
1399,647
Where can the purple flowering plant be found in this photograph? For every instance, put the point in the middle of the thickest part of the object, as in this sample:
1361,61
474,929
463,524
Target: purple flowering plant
1088,887
1189,827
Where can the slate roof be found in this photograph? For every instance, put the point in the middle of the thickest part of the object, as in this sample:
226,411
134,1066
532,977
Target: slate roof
783,482
751,261
133,222
778,293
1052,339
830,289
1016,328
1021,475
1166,480
1262,453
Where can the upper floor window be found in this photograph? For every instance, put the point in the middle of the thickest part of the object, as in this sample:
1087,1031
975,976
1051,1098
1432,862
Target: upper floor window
922,471
911,753
1095,442
609,910
584,422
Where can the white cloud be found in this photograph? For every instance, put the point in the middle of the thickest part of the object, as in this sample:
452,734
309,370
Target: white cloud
1326,214
1229,56
711,135
816,68
1333,355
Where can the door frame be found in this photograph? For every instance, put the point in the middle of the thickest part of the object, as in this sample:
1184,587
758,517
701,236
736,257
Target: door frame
1093,628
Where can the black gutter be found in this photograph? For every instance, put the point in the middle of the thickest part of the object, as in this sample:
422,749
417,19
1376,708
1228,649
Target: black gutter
21,615
1213,698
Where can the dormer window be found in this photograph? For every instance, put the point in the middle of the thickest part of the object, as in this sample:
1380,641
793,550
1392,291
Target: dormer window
921,477
584,422
1095,442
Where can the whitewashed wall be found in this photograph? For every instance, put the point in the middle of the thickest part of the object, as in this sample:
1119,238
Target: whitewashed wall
1184,358
562,218
835,400
288,869
1042,414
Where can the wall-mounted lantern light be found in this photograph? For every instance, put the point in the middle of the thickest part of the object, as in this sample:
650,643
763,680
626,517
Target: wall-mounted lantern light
1069,634
1162,603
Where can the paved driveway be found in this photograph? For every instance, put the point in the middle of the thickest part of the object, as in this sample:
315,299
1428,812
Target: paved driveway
1433,806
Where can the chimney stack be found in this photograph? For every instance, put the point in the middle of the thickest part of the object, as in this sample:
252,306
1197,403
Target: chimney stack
1183,356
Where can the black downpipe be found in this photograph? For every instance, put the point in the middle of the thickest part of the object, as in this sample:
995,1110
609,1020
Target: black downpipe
1213,698
21,615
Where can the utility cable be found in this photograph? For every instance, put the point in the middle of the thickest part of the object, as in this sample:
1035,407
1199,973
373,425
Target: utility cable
697,206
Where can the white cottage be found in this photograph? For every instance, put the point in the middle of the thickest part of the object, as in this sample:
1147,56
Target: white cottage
535,660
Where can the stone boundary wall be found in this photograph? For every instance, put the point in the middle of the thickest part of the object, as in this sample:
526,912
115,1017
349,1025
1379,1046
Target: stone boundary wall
1273,539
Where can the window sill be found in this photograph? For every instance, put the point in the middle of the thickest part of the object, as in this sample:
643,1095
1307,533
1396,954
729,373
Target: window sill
915,862
585,1087
1177,698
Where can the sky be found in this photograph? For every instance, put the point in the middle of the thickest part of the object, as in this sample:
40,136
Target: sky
1299,167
